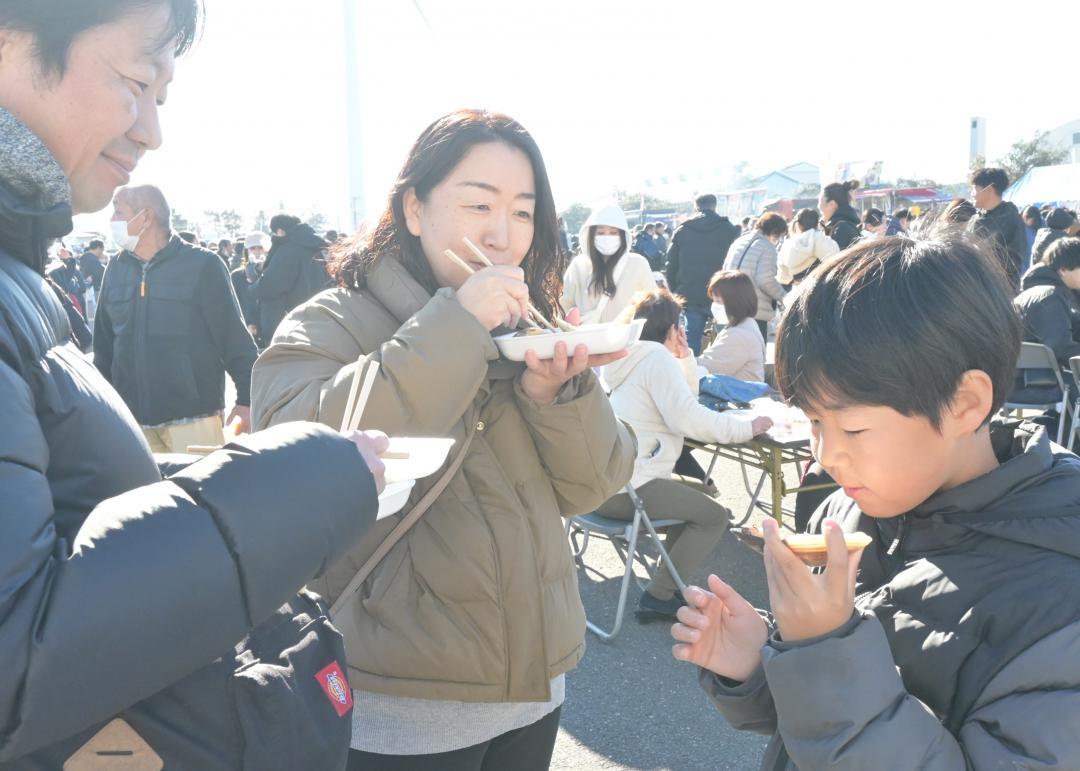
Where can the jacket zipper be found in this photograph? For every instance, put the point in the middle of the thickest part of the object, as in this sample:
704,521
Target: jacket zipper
140,343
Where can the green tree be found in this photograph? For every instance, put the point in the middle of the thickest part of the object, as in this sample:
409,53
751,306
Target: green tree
262,222
1027,154
180,222
225,223
317,222
574,216
978,162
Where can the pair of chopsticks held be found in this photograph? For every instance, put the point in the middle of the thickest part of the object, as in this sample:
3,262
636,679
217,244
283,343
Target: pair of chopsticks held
536,316
357,401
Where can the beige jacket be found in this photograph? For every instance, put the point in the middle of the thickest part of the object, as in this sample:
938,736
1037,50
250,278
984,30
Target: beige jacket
479,602
738,351
632,275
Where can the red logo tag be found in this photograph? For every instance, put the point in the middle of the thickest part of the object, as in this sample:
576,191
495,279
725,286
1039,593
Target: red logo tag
333,682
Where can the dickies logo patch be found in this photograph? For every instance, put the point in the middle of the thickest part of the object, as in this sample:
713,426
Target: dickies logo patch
336,687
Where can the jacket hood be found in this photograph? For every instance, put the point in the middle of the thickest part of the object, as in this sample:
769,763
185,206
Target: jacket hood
706,222
1042,275
847,212
1004,209
1032,498
303,235
611,216
798,252
616,373
35,198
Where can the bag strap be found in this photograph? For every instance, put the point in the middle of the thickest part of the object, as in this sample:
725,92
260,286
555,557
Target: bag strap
745,250
404,525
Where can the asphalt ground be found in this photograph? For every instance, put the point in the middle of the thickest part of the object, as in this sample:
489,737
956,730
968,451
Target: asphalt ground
630,704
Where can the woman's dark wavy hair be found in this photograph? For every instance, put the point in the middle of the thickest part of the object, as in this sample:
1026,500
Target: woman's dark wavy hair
896,322
54,24
433,157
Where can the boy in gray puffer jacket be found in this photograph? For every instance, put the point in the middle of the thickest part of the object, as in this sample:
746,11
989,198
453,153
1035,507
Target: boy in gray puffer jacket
953,640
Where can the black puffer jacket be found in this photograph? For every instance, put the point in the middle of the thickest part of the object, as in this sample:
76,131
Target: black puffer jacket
290,276
1004,228
114,584
168,330
963,650
1043,239
844,226
1049,313
697,251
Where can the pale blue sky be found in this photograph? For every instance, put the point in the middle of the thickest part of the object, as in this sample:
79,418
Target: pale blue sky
615,92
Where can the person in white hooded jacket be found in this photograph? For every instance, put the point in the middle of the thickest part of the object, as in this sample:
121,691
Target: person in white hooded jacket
602,280
806,247
650,392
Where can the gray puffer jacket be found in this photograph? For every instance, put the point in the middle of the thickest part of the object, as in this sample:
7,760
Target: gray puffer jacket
964,651
755,255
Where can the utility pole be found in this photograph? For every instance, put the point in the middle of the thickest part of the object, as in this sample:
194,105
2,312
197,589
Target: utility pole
354,117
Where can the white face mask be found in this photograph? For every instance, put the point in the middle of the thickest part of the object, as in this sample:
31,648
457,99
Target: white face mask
607,245
719,313
121,237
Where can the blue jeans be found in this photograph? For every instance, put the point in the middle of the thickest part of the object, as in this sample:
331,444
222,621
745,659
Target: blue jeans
696,318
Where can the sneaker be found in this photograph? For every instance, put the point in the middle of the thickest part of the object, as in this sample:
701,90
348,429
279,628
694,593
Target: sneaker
651,609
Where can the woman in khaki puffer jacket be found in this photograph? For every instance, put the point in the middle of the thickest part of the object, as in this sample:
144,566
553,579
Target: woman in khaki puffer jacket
461,636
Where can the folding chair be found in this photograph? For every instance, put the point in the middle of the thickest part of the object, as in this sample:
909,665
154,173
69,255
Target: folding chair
1074,367
1035,356
624,537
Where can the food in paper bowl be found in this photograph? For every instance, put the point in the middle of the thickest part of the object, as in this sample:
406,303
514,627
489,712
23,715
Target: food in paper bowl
811,548
598,338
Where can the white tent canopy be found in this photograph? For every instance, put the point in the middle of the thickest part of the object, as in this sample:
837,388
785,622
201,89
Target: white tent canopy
1058,185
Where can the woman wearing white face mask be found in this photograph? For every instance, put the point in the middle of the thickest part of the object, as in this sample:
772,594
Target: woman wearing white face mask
602,280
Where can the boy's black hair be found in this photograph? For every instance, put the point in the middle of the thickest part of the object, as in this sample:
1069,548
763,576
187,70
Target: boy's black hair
995,178
902,214
1063,254
896,322
284,222
95,243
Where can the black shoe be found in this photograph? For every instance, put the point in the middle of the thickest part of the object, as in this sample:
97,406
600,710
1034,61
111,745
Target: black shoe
651,609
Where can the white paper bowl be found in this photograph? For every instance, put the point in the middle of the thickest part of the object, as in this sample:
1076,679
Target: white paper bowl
394,498
599,338
426,456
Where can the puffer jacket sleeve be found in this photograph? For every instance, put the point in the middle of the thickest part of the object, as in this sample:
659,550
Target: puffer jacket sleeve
429,371
765,271
586,449
159,580
841,704
746,706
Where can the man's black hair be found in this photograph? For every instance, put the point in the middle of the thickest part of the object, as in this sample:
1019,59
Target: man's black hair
995,178
96,243
54,24
1063,254
705,202
902,214
284,222
896,322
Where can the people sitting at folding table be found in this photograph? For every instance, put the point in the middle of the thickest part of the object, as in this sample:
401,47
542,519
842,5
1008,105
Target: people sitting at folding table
650,392
1050,315
739,348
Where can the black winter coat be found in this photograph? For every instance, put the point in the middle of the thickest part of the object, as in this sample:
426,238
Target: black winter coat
114,584
286,281
1049,313
844,226
698,250
244,280
1004,228
166,331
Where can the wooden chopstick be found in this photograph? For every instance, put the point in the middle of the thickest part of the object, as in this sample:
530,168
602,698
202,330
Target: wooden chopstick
537,315
355,412
349,402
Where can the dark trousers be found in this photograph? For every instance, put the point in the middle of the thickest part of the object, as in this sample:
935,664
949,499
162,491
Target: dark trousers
764,327
526,749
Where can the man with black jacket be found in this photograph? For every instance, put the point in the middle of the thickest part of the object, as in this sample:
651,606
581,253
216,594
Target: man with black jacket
295,271
697,251
999,221
168,327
